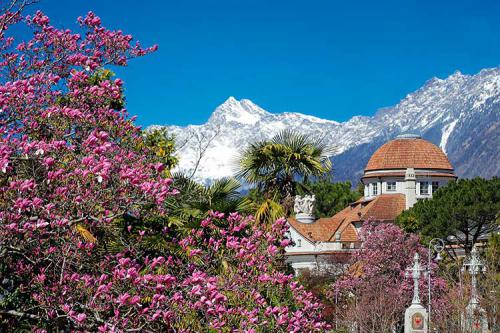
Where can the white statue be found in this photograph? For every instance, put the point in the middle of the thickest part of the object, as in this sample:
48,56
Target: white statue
309,201
304,205
297,207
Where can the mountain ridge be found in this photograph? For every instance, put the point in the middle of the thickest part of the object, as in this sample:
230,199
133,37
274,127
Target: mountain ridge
459,113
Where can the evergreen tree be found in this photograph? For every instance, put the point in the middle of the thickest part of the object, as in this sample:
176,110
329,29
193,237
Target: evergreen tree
461,212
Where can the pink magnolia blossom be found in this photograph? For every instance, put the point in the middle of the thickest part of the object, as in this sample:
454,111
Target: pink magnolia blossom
74,166
377,279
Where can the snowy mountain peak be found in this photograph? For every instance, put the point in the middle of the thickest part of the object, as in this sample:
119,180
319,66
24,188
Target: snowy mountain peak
244,112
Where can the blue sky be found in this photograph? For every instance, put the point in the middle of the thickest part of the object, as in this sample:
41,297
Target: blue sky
331,59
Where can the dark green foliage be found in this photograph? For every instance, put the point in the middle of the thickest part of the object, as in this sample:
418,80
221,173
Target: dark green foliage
360,188
493,251
331,197
466,210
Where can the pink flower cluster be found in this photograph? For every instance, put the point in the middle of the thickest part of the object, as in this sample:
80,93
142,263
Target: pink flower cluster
386,253
229,283
377,273
72,166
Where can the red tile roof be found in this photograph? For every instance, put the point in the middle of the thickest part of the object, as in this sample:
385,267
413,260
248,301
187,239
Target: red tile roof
408,153
320,230
384,207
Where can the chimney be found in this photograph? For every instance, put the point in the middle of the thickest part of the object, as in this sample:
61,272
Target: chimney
410,188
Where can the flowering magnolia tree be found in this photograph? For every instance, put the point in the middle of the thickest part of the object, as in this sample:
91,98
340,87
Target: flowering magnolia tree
374,293
81,192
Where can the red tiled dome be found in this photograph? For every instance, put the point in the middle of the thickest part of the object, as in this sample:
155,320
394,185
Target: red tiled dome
410,152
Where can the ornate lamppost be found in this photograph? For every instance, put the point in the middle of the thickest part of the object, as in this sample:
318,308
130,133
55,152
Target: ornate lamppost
436,244
474,265
415,314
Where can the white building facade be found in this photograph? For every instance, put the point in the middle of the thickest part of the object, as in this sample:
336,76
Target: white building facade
398,174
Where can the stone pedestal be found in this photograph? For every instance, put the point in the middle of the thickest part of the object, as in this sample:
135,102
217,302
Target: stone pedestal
416,319
304,218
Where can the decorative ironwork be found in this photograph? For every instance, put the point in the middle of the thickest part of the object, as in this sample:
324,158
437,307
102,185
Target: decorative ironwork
416,271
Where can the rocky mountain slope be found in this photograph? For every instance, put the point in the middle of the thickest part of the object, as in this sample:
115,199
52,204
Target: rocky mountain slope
461,114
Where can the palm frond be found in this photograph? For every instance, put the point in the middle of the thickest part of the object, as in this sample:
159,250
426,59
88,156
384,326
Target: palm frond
85,233
269,211
276,165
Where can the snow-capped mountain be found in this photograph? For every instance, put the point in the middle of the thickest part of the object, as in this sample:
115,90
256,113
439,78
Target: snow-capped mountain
461,114
229,129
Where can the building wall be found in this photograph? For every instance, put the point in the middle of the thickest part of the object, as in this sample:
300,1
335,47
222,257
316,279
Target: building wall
302,262
442,181
310,256
302,244
400,185
321,263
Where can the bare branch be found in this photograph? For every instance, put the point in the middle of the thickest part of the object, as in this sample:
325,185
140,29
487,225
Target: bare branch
203,142
19,314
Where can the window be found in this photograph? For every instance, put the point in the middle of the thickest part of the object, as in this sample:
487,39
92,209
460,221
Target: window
391,186
299,242
424,188
435,186
374,189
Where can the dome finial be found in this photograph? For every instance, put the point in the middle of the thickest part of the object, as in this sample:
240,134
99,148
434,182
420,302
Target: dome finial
408,136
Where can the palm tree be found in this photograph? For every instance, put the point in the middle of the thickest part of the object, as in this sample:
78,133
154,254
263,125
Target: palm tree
195,201
278,166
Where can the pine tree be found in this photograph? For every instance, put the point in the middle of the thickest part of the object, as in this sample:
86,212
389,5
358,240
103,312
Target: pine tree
462,212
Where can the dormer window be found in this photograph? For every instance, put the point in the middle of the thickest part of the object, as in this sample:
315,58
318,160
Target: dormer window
424,188
374,189
391,186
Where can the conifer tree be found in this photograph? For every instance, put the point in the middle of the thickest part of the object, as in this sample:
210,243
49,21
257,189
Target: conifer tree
462,212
